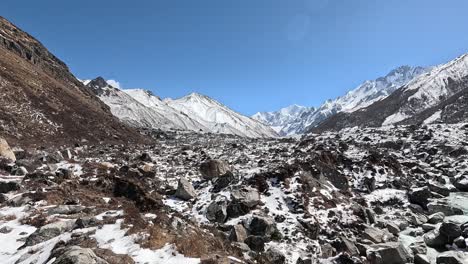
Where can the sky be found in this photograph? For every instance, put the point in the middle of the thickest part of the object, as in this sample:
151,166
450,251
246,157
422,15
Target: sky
252,55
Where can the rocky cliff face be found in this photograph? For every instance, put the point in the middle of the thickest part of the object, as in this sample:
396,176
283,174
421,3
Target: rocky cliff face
41,101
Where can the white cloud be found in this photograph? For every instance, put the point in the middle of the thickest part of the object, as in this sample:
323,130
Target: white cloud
114,83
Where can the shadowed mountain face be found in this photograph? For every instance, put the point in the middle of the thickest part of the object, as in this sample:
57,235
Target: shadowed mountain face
41,101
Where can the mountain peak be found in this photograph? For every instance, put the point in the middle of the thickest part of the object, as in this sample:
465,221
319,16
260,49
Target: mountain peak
98,82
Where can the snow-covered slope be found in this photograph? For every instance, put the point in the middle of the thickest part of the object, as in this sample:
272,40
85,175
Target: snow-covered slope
219,118
420,99
141,108
362,96
128,109
431,88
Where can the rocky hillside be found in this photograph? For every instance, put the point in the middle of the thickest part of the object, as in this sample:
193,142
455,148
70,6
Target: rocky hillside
413,102
41,101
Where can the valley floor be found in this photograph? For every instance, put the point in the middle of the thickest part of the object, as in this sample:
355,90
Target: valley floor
389,195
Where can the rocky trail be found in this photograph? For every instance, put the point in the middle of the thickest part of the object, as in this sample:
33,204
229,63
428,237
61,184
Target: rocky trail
390,195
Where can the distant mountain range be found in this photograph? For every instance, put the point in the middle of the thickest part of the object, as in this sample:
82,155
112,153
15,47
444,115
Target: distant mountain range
194,112
298,119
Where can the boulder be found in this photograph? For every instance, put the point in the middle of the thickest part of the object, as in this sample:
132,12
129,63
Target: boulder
450,230
460,242
440,206
256,243
388,253
376,235
349,247
461,183
247,196
49,231
185,190
261,226
6,151
273,256
79,255
223,181
452,257
434,239
421,259
238,233
420,196
8,186
65,209
393,229
436,218
213,169
217,211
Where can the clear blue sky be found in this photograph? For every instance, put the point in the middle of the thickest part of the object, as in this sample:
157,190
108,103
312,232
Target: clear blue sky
253,55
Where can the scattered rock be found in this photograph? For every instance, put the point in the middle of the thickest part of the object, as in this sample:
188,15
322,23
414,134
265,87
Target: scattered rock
79,255
213,169
388,253
185,190
6,151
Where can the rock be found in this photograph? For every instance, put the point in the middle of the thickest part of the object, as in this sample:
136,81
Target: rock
460,242
65,209
428,227
79,255
418,219
256,243
49,231
247,196
434,239
6,187
448,210
461,183
273,256
440,188
5,230
327,250
312,228
393,229
450,230
388,253
261,226
223,181
213,169
238,233
304,261
6,151
452,257
436,218
376,235
349,247
133,191
418,247
421,259
185,190
145,157
217,211
420,196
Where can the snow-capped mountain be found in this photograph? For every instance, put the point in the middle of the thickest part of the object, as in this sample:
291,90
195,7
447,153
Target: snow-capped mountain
282,119
426,94
358,98
141,108
218,117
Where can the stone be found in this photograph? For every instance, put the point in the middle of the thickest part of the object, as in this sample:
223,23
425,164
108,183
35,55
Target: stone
185,190
238,233
460,242
376,235
393,229
274,256
49,231
388,253
421,259
418,219
418,247
448,210
247,196
214,169
434,239
349,247
217,211
428,227
452,257
65,209
5,150
420,196
9,186
461,183
450,230
223,181
261,226
440,188
436,218
256,243
79,255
